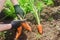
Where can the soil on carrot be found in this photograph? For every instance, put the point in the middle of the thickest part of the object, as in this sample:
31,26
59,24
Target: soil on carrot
50,20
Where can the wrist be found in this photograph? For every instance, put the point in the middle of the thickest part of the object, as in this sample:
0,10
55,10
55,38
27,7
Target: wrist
10,26
5,27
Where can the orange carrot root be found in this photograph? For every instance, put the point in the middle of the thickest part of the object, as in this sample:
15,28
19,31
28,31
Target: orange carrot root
18,33
40,29
26,26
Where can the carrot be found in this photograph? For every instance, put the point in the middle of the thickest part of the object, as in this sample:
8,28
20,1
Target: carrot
40,29
26,26
18,33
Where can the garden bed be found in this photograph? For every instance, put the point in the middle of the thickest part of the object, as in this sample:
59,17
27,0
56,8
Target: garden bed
51,28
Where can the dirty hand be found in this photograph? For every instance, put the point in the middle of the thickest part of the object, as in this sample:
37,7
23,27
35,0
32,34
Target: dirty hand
16,24
19,10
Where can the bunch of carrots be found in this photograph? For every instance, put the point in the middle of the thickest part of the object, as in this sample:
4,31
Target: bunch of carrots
26,25
19,29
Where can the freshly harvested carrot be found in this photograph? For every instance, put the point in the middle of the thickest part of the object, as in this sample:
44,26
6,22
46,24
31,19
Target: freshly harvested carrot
18,33
40,29
26,26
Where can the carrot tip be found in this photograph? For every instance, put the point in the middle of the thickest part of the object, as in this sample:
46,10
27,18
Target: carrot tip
40,29
30,30
18,33
26,26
